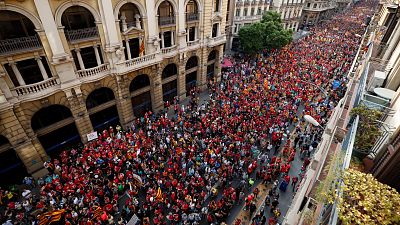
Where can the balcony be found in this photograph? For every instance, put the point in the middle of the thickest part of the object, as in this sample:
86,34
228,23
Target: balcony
84,34
192,44
247,2
216,41
21,44
192,17
169,52
166,20
137,63
94,73
37,90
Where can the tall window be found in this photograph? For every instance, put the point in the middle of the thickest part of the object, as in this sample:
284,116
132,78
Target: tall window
259,11
237,12
252,12
216,5
245,12
214,30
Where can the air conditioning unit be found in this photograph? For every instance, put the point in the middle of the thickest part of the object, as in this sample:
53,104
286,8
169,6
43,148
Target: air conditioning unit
377,80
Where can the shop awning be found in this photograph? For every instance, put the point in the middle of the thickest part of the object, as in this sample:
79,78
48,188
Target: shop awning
226,63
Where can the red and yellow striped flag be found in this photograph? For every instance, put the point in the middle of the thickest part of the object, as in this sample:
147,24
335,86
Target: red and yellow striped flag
159,194
49,217
97,211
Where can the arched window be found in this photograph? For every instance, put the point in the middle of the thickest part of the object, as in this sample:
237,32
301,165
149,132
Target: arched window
139,82
15,25
169,70
77,17
212,55
165,9
99,96
191,7
49,115
191,63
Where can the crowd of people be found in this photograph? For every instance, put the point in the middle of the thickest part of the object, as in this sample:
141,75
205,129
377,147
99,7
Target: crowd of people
195,166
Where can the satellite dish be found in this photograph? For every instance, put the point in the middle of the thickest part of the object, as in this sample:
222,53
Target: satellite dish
311,120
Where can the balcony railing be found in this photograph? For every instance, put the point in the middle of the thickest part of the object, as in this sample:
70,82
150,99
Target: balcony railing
36,87
166,20
137,63
192,17
193,43
81,34
19,44
93,71
168,49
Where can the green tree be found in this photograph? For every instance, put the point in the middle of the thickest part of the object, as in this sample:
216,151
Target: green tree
267,34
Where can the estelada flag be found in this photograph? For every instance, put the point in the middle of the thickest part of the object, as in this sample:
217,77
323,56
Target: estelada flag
50,217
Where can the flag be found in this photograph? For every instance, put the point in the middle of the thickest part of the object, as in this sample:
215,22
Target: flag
159,194
266,84
49,217
141,49
97,211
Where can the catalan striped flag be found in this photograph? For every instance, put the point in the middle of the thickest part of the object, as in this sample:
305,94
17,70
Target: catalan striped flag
141,49
159,194
97,212
50,217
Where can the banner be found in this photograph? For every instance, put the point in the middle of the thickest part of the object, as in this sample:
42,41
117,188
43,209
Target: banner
92,136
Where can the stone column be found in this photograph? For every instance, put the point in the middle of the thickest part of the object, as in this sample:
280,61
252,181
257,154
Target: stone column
181,25
152,25
123,22
17,73
96,52
110,29
393,45
80,61
4,88
181,82
156,90
128,49
79,112
50,28
162,40
124,103
172,38
137,21
41,67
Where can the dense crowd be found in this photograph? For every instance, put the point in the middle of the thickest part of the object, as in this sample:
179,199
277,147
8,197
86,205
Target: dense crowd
194,167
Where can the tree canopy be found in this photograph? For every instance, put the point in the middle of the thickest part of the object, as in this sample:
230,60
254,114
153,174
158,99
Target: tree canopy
267,34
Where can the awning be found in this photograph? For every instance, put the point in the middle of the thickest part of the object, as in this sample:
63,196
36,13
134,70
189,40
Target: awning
226,63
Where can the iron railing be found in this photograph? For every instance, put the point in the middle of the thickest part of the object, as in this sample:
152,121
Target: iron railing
83,34
19,44
166,20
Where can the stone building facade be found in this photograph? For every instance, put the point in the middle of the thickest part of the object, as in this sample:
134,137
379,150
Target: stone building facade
70,67
290,10
241,13
315,11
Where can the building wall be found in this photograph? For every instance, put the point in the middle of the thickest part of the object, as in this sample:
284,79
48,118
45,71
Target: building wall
291,12
243,12
314,11
67,82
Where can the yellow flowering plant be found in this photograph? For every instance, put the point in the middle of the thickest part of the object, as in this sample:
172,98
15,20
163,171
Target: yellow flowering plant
367,201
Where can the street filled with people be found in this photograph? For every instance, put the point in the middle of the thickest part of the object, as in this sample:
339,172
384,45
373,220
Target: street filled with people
195,165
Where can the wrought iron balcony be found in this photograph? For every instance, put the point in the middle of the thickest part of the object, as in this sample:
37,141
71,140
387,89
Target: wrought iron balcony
166,20
21,44
192,17
83,34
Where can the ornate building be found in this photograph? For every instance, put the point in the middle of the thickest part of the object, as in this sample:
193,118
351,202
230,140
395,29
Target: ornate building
290,10
315,11
243,12
72,67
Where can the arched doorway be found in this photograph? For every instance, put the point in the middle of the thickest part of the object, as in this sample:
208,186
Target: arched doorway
140,95
55,128
169,80
102,108
211,65
12,170
166,23
191,74
131,26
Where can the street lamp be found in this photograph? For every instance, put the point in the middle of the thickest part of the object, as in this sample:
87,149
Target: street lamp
311,120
